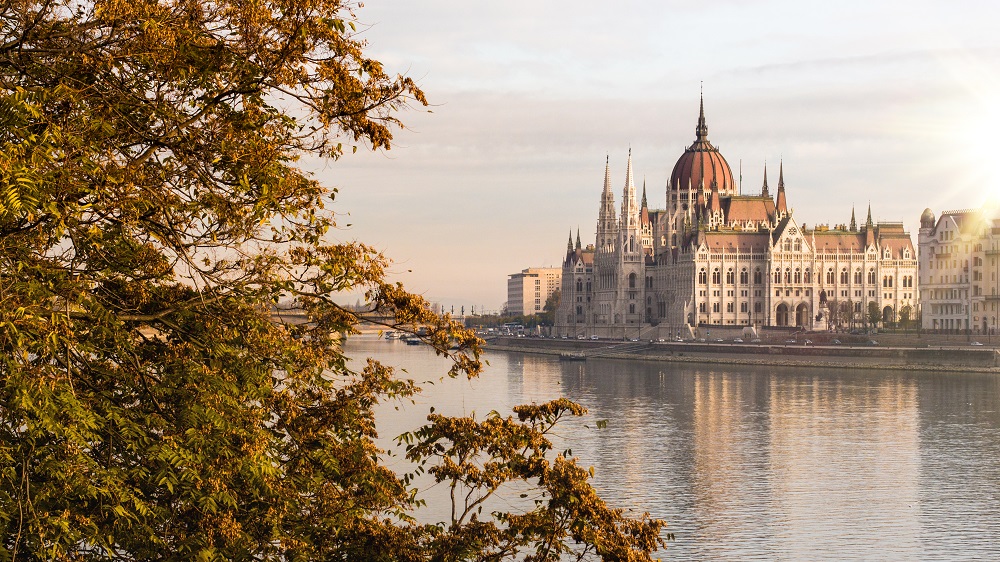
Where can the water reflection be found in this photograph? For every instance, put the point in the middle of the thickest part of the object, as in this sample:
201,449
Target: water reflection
765,463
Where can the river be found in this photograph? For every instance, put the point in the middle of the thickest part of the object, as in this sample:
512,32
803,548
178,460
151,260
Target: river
755,463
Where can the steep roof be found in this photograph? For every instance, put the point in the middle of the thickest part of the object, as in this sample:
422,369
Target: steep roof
733,241
744,208
839,241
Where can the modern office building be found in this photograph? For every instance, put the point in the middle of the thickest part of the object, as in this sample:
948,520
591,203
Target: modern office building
528,290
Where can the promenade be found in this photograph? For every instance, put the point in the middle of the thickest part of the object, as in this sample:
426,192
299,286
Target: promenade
934,354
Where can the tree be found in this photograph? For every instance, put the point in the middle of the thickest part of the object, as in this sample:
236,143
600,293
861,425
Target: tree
151,215
847,312
833,309
904,315
874,314
548,315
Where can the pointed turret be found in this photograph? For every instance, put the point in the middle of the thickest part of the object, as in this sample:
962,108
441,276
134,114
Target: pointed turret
644,206
781,206
869,228
569,245
607,225
763,189
701,131
714,203
854,222
578,245
630,206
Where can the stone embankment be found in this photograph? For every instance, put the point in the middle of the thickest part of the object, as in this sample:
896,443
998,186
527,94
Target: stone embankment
937,358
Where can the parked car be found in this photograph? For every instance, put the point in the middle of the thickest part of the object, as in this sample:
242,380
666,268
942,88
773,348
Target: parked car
976,343
594,337
835,341
738,340
872,342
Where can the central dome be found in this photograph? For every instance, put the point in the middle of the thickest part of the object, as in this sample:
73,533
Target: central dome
702,162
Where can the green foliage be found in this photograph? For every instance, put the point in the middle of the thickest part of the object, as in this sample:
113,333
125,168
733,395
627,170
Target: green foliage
150,217
478,460
548,316
874,313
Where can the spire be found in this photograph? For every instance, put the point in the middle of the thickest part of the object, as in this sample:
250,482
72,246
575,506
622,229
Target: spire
644,206
607,174
630,207
607,227
781,206
714,204
868,221
763,189
569,245
578,246
854,223
701,132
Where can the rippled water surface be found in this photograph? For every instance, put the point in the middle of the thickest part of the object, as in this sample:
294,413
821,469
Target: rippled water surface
757,463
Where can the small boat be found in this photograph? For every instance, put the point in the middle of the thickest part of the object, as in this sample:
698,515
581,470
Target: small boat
572,357
390,335
412,340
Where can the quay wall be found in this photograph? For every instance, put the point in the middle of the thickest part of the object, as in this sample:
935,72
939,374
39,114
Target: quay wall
855,357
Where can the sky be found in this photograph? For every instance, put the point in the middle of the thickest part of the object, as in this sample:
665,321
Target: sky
892,104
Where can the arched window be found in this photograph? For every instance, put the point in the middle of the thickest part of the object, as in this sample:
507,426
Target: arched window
788,275
829,276
744,276
702,276
716,276
857,276
730,276
631,280
890,282
798,245
757,277
871,276
843,276
579,285
777,276
808,278
798,275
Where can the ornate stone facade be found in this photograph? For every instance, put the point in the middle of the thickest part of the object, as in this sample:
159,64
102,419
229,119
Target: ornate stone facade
960,270
714,257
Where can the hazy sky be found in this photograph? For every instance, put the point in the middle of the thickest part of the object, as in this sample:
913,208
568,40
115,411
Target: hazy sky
892,103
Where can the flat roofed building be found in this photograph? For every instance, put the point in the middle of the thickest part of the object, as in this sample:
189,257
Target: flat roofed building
528,290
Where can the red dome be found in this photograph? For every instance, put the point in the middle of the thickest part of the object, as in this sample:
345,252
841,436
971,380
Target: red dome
702,162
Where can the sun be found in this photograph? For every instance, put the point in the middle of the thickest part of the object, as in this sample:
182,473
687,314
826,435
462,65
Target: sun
983,148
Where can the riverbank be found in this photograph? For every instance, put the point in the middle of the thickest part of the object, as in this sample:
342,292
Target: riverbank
935,359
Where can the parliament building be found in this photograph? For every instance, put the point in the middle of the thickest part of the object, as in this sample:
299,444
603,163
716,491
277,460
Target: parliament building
716,257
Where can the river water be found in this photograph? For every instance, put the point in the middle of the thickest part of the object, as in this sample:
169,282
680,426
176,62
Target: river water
755,463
